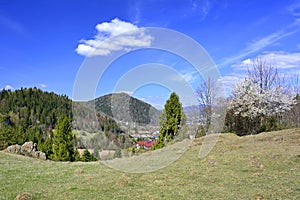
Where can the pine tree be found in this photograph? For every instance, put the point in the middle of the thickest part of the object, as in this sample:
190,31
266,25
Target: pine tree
171,120
46,147
77,155
63,141
87,156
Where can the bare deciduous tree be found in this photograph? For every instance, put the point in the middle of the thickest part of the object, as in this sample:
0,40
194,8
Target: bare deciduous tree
295,84
206,95
263,73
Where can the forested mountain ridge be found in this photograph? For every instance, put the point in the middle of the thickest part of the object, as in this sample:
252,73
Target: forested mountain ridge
30,114
33,106
123,107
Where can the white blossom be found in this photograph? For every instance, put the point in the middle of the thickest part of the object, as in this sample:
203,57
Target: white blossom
249,101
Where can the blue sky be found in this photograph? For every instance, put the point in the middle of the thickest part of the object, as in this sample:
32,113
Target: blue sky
39,43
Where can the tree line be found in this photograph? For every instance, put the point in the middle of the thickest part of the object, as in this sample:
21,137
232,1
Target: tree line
262,101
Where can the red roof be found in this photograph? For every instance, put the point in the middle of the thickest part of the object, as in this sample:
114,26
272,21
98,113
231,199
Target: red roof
149,144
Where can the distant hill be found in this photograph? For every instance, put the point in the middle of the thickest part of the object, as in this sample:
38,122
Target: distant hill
193,114
122,107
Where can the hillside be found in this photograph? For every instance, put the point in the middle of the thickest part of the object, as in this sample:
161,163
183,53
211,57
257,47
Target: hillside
264,166
122,107
85,118
30,114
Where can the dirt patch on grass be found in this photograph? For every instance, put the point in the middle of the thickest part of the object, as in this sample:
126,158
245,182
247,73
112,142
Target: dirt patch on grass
24,196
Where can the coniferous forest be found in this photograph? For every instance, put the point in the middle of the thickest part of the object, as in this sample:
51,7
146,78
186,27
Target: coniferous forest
30,115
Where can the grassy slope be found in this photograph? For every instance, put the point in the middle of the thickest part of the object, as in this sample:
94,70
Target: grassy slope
265,165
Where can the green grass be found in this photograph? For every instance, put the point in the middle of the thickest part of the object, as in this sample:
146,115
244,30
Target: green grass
265,165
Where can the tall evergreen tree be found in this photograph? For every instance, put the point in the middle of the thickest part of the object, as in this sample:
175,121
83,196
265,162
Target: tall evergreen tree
63,141
170,121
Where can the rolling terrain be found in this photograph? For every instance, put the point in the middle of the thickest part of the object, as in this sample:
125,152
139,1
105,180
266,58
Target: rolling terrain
264,166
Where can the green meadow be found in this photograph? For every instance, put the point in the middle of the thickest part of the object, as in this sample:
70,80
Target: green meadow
264,166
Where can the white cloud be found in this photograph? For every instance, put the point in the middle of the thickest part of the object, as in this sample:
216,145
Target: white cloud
258,45
115,27
8,87
232,79
43,85
280,59
229,81
184,76
114,36
283,60
247,61
266,41
130,93
190,76
287,63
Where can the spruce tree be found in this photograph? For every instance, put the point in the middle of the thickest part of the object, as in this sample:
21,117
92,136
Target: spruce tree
170,120
63,141
87,156
77,155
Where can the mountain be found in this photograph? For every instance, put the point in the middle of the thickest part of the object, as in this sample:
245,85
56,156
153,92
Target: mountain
125,108
30,114
86,119
193,114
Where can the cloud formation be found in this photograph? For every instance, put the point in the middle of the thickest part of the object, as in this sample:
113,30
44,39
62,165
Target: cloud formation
42,85
287,63
114,36
258,45
9,87
230,80
280,59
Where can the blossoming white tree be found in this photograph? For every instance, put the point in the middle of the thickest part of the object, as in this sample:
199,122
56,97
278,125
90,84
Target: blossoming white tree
258,100
248,101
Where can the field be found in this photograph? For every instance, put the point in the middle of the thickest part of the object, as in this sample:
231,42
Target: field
265,166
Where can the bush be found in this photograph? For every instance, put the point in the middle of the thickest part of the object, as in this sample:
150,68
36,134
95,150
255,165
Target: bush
118,153
200,131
